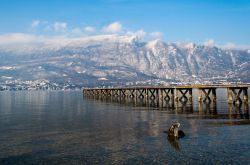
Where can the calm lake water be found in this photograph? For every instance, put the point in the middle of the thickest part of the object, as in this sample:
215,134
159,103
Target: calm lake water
42,127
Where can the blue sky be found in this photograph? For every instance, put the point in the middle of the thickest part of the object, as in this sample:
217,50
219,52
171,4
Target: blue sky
199,21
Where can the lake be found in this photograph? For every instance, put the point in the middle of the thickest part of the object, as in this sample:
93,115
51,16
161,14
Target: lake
63,127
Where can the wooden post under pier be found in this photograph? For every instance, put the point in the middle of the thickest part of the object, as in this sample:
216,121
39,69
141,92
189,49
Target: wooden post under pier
152,93
208,93
181,94
234,95
245,95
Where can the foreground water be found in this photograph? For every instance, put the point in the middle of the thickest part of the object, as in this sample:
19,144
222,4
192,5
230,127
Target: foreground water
42,127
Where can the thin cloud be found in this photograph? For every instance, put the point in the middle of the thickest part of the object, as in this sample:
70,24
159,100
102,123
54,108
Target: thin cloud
114,27
89,29
38,23
228,45
26,43
231,45
140,34
60,26
156,35
76,31
35,23
210,42
14,38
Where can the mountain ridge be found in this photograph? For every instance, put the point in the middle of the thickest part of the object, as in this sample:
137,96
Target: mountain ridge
121,59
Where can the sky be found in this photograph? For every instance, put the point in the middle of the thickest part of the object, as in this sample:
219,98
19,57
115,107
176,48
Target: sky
211,22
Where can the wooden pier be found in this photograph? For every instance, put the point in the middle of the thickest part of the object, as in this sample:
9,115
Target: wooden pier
236,94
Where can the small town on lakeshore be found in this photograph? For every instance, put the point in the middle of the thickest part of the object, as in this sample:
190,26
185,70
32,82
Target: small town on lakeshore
19,85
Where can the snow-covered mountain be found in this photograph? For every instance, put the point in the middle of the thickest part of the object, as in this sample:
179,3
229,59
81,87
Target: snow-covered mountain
90,60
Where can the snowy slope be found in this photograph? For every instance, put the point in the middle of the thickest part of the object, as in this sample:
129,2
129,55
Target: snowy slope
120,58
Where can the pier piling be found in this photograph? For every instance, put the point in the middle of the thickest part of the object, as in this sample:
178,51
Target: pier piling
209,94
234,95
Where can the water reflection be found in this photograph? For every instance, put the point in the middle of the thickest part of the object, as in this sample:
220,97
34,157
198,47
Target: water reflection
174,141
238,111
63,128
205,110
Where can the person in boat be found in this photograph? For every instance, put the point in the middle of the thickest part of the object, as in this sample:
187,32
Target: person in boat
174,131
